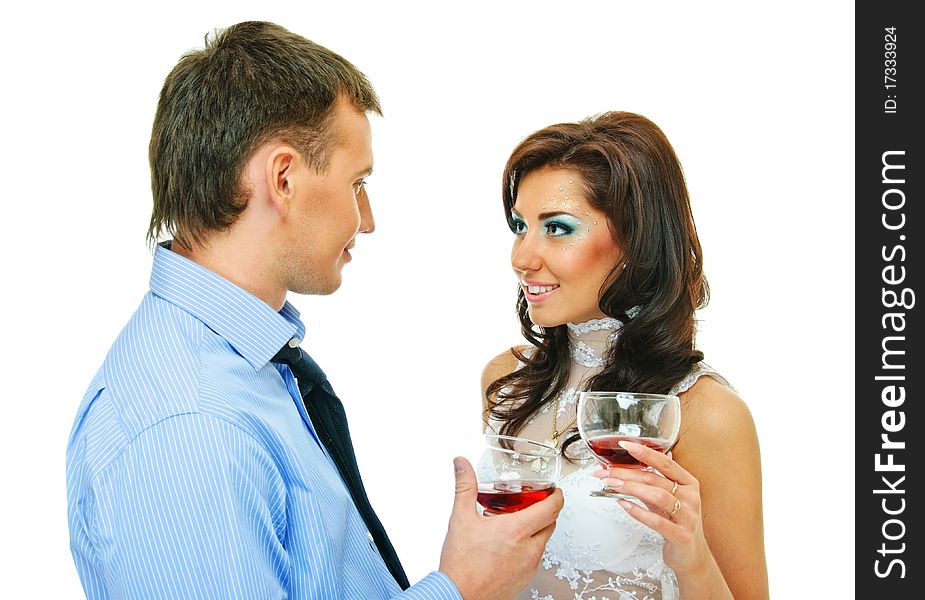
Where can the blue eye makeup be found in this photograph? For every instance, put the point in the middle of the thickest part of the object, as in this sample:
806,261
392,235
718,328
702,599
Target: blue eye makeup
561,225
517,225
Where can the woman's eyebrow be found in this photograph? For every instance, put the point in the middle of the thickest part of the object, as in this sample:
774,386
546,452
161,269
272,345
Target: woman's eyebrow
546,215
560,213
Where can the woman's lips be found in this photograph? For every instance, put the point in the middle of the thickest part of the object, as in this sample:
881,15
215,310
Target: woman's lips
537,292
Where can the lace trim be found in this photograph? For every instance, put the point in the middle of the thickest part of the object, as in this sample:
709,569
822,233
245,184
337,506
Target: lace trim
583,582
691,378
568,397
600,324
595,325
585,356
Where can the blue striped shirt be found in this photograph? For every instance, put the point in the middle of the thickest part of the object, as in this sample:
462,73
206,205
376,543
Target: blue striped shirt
193,470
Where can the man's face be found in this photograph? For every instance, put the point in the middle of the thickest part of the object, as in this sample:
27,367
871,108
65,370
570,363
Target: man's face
329,209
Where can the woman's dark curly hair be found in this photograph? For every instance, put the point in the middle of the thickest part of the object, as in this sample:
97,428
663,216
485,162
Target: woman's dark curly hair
630,173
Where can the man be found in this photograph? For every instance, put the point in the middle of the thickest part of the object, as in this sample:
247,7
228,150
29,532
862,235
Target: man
194,469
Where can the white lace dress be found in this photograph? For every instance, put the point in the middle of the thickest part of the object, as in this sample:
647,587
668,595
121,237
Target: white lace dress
597,551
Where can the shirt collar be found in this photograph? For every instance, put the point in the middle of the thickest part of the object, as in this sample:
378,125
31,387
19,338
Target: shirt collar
246,322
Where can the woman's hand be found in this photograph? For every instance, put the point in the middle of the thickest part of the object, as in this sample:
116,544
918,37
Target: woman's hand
673,501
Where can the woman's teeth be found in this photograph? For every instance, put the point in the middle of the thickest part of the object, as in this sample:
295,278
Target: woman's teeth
540,289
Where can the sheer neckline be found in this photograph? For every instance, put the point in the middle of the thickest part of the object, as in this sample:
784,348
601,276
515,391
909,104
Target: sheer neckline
590,340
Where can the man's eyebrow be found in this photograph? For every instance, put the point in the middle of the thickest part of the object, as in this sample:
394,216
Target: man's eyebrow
365,172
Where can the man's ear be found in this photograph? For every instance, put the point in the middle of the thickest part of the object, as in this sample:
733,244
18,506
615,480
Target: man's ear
282,163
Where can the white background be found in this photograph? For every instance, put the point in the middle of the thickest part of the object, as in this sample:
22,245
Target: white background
758,100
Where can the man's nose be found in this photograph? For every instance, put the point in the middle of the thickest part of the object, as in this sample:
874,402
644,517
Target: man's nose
367,222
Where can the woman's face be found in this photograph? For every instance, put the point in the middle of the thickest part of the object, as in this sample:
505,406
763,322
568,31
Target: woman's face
563,250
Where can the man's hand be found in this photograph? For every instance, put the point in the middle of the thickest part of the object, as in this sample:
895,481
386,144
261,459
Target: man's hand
494,557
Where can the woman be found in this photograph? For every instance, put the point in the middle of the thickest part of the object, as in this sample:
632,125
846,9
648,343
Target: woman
610,272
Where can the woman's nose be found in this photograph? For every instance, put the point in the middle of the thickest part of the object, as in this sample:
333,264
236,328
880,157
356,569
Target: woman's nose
525,255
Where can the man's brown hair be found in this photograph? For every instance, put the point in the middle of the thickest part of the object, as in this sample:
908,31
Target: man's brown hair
253,82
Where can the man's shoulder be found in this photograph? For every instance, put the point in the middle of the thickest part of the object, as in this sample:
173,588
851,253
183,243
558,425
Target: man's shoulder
150,373
165,363
154,362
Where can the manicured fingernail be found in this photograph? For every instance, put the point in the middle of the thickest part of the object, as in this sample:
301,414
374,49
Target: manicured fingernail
630,446
458,466
626,504
601,473
615,483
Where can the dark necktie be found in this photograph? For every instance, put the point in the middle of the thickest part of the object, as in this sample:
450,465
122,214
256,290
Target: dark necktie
330,421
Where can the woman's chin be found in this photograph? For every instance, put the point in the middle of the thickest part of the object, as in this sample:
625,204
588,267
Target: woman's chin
544,320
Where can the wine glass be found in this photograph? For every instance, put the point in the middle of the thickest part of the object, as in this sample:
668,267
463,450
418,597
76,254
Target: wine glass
514,473
607,418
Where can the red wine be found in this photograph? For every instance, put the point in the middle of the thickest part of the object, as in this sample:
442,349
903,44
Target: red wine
608,449
510,496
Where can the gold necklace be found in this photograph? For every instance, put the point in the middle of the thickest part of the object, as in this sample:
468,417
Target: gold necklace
554,440
587,357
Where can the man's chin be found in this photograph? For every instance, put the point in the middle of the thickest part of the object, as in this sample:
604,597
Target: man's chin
318,288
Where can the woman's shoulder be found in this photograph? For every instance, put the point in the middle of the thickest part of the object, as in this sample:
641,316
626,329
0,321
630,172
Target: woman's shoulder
502,365
714,413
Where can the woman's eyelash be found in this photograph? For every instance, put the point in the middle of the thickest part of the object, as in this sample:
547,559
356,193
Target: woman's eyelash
553,228
564,229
